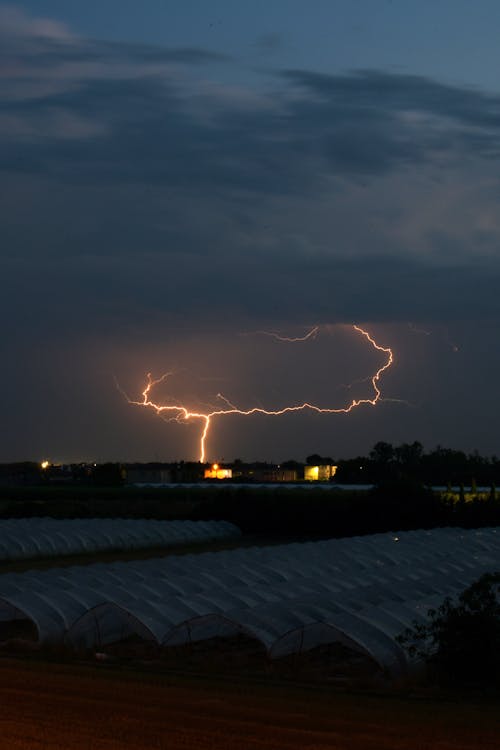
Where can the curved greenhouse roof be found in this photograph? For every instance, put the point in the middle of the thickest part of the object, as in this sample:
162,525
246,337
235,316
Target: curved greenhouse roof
360,592
26,538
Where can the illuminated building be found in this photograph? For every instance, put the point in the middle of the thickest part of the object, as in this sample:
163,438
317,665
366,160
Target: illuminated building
322,473
218,472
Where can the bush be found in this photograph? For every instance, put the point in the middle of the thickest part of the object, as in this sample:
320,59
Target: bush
461,642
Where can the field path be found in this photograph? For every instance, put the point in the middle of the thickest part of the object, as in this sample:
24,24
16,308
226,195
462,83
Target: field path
60,707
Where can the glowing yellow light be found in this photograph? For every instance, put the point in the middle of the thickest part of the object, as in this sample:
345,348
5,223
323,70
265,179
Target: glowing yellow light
311,473
45,464
182,413
215,472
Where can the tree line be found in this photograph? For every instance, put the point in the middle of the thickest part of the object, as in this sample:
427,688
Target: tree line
439,467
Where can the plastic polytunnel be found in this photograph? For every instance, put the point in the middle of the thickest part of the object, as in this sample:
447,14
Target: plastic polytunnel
357,592
27,538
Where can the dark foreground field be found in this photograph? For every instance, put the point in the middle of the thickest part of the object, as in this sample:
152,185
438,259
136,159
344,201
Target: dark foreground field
63,707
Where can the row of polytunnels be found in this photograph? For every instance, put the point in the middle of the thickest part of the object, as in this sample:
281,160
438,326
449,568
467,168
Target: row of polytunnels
360,592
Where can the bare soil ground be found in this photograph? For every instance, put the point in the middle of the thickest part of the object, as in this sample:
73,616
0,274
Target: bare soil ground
53,706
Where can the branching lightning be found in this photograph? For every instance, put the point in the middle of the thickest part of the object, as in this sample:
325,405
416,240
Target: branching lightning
290,340
180,413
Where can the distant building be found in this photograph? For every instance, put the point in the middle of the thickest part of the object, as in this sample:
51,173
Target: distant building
264,473
218,472
144,474
258,472
320,473
286,475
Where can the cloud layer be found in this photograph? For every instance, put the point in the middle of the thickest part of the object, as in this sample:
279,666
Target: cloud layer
139,153
142,191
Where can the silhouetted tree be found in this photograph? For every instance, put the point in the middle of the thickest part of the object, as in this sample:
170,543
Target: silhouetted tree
409,456
461,642
382,458
382,453
316,460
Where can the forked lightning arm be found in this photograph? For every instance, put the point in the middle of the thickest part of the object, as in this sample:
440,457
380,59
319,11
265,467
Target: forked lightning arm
182,413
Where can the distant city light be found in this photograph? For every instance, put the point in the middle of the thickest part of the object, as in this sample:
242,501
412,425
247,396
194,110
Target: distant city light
45,464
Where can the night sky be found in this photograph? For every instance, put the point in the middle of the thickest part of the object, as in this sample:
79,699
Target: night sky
177,177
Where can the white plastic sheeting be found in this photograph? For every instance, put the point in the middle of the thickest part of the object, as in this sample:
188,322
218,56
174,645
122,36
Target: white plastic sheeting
361,592
26,538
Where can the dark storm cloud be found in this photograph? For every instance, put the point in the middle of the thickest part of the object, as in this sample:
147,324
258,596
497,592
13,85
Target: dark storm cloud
47,52
125,112
370,121
149,53
360,125
50,42
364,89
134,167
145,197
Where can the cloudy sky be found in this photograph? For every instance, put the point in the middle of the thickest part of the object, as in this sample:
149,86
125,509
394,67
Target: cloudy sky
178,177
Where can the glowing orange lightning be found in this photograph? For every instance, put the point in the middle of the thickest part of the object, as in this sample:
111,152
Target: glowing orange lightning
180,413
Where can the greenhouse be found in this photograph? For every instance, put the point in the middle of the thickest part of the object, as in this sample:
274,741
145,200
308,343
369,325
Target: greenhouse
27,538
359,592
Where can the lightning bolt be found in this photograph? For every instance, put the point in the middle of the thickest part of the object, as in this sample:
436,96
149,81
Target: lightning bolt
180,413
291,340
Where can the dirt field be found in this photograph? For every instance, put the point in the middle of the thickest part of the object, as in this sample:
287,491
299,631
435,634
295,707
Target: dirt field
63,707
